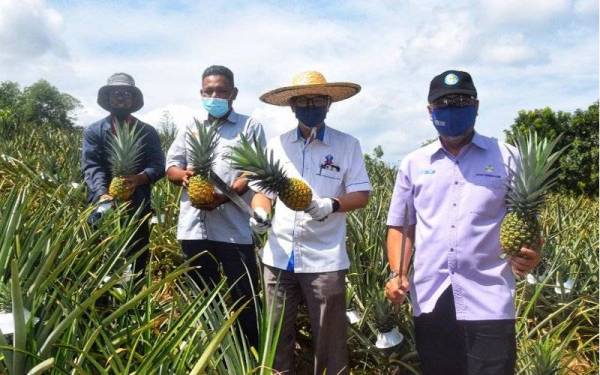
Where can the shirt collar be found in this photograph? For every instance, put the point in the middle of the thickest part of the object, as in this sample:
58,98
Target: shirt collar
436,146
321,135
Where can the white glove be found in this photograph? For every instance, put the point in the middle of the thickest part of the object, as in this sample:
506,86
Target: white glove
320,208
259,227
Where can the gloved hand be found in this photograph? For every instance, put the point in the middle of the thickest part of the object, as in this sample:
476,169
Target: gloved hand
320,208
100,210
260,227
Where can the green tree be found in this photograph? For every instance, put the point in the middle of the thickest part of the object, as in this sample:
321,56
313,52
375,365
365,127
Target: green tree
10,95
579,163
44,104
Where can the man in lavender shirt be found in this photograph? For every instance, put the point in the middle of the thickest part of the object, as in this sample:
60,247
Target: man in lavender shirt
452,191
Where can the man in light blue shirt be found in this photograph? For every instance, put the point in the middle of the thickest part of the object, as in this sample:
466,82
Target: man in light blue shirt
221,229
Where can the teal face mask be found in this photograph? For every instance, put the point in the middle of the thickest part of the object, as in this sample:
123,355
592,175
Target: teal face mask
217,107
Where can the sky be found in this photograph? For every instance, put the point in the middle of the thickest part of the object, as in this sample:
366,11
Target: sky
521,54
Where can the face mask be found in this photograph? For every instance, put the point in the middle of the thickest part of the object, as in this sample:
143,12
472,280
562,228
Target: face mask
453,121
217,107
311,116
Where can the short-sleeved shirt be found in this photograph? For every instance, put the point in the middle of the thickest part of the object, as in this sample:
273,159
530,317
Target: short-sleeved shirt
226,223
457,204
332,165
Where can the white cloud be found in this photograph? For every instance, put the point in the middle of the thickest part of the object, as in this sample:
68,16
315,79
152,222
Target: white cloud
512,50
530,12
29,30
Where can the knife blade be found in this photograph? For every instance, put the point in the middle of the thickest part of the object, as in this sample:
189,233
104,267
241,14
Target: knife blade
234,197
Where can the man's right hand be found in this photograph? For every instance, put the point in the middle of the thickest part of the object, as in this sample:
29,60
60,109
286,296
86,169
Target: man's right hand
259,227
396,289
185,177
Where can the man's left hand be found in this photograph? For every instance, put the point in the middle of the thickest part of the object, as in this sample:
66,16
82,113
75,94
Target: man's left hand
525,261
135,180
320,208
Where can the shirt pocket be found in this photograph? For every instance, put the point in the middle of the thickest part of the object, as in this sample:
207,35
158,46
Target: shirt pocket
486,196
329,182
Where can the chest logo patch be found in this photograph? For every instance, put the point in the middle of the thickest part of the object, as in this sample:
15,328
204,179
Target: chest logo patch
489,168
428,171
329,164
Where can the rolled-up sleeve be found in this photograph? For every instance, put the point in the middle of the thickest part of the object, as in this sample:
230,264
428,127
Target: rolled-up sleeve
94,171
176,156
155,161
402,199
356,177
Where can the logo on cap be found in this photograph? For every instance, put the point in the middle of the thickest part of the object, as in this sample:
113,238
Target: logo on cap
451,79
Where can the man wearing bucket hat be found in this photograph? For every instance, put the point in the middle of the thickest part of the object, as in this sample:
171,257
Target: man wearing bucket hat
305,255
450,195
220,231
121,97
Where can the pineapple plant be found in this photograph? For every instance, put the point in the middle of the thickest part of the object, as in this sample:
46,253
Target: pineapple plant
202,156
533,177
125,156
269,175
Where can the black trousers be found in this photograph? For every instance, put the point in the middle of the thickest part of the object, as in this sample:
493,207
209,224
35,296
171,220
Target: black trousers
238,263
447,346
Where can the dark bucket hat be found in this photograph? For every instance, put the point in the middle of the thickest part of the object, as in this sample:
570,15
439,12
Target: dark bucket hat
120,80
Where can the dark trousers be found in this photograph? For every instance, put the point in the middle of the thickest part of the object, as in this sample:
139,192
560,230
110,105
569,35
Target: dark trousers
238,263
325,297
447,346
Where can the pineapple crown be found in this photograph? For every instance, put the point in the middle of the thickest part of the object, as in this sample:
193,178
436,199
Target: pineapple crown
534,174
259,166
125,148
202,146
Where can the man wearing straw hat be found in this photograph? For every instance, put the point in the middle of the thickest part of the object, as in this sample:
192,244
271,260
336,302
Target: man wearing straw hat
121,98
305,255
449,201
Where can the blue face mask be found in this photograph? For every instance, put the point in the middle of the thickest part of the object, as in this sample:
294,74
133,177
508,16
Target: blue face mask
454,121
311,116
217,107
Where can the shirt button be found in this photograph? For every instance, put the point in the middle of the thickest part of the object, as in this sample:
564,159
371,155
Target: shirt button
451,249
452,226
454,204
455,182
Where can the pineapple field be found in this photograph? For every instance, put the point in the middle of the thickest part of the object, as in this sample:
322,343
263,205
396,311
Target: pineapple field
68,306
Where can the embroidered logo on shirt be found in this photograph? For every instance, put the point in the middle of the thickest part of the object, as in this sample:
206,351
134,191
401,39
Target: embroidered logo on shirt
428,171
489,168
328,164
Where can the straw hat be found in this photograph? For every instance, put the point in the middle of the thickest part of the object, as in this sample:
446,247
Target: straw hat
120,80
310,83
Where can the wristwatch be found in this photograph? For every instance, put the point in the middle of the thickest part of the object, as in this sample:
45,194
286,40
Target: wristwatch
335,204
392,275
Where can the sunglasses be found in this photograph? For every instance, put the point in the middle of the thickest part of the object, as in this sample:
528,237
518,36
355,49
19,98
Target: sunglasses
454,101
317,101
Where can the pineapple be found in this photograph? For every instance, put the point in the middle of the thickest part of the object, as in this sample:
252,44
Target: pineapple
202,156
530,182
125,156
269,175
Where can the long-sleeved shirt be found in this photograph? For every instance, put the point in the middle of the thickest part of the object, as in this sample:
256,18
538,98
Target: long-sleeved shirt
95,164
226,223
457,204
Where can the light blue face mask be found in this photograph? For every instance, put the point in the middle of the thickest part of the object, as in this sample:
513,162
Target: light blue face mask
217,107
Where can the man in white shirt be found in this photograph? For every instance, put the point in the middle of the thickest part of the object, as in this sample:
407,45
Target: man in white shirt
221,229
305,255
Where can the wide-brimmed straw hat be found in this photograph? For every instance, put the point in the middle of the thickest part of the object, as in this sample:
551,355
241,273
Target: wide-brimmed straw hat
120,80
310,83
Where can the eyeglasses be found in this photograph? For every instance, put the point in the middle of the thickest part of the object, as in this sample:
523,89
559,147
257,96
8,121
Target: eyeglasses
304,101
454,101
119,93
